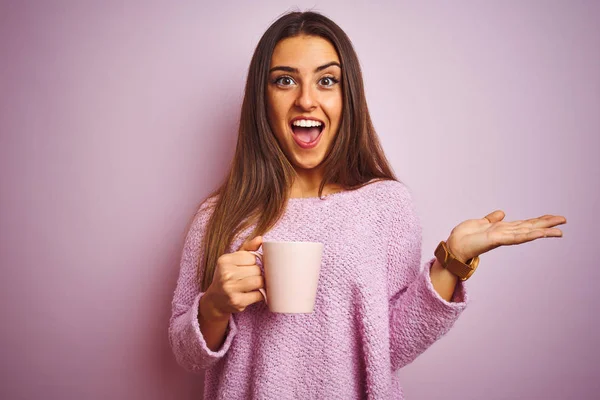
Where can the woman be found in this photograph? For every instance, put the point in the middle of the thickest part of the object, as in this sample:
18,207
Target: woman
309,167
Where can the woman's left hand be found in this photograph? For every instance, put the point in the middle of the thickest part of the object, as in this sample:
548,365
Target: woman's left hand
477,236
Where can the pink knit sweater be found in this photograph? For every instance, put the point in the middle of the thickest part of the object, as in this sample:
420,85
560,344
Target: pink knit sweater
376,309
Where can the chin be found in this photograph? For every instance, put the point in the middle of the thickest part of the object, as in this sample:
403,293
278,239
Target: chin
307,165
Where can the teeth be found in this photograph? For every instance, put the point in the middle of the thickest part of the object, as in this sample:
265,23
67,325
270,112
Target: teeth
306,123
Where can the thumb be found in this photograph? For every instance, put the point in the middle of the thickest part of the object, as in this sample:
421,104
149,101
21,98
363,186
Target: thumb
252,245
495,216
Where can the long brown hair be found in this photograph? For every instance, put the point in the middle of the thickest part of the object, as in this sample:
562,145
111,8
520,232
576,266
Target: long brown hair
256,189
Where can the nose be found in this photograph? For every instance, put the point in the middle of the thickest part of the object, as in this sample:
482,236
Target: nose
306,98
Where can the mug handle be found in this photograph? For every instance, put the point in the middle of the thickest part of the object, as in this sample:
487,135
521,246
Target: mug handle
262,291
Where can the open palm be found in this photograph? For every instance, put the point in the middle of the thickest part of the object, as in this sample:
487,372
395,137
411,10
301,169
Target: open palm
477,236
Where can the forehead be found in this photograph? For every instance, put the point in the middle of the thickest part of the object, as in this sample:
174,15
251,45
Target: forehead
303,52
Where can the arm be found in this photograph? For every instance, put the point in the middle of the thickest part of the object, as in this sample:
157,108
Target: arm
419,315
185,336
444,282
214,330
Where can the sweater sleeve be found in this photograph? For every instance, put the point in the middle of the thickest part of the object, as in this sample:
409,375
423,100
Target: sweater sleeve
188,344
419,316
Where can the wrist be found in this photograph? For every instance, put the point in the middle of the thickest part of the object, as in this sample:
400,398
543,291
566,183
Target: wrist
443,281
459,264
455,250
209,312
439,271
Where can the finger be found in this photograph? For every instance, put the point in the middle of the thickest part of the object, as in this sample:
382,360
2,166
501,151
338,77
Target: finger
250,297
543,233
553,220
558,218
250,284
495,216
252,245
525,235
546,221
528,236
242,258
514,223
553,232
246,271
519,237
522,230
528,230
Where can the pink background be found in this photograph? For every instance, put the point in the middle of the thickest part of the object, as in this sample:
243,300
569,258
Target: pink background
116,120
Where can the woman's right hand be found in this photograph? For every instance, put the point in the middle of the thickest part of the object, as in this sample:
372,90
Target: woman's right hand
235,283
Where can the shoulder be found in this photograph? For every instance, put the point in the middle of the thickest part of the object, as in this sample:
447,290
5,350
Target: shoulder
388,200
391,194
202,215
392,188
395,200
384,195
207,206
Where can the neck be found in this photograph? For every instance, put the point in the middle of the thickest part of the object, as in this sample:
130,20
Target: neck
307,184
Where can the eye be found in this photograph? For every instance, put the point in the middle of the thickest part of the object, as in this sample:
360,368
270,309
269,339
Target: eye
328,81
284,81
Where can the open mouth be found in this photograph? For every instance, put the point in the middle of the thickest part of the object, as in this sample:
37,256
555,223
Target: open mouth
307,132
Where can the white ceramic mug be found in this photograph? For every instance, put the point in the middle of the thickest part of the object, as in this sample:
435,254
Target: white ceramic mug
291,271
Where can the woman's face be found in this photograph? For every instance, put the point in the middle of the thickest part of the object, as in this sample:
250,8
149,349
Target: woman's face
304,98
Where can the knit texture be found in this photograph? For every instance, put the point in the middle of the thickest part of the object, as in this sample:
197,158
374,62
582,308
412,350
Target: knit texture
376,309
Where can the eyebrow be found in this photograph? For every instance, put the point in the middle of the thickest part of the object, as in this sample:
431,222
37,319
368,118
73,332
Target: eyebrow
295,70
